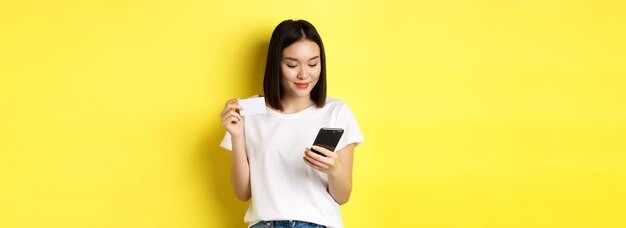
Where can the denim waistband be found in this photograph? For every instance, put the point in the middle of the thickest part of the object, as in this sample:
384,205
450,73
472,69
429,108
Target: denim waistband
286,224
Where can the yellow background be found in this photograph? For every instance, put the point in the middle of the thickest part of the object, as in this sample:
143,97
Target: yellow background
481,113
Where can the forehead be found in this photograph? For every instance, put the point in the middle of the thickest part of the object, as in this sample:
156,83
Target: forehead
302,49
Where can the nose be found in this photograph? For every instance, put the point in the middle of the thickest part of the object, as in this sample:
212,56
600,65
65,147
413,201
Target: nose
302,74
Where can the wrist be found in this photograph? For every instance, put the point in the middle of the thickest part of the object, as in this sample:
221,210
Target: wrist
239,138
337,172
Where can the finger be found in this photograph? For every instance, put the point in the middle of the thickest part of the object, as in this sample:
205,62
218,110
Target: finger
232,118
323,151
324,161
227,110
235,119
231,101
316,152
230,107
312,154
308,163
316,163
233,113
317,156
311,164
227,119
234,106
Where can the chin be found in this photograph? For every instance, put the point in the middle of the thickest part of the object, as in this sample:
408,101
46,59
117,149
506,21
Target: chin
303,95
300,93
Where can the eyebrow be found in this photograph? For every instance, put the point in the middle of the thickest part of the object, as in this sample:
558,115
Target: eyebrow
294,59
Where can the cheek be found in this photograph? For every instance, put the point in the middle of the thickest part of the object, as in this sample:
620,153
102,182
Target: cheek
315,72
287,73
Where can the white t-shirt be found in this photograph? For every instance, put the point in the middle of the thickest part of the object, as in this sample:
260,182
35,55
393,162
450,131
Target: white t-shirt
283,186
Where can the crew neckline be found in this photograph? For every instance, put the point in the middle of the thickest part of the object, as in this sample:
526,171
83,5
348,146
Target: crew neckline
292,115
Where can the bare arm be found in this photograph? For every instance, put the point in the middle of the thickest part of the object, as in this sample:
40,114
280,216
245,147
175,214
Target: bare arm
338,166
239,166
340,183
240,169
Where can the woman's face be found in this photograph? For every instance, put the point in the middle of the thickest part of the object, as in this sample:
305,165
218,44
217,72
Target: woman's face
300,68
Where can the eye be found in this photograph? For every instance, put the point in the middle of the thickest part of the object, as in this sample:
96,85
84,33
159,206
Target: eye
313,65
291,66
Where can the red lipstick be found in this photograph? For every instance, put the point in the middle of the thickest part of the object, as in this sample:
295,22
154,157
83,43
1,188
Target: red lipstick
302,85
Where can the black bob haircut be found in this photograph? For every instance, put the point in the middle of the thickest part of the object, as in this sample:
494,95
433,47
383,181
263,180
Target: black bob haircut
285,34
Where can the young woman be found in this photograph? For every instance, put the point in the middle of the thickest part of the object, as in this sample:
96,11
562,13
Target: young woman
290,185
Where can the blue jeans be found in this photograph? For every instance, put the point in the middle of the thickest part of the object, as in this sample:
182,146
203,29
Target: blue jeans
286,224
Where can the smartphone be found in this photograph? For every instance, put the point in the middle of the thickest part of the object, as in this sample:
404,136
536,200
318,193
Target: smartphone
328,138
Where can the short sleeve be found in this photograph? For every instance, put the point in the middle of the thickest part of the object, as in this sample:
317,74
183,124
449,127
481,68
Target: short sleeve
352,132
226,142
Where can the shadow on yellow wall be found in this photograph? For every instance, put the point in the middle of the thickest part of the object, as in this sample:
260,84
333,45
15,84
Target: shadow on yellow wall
214,161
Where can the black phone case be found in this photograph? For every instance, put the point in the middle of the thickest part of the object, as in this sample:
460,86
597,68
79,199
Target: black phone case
328,138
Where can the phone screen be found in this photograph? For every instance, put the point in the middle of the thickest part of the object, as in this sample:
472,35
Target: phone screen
328,138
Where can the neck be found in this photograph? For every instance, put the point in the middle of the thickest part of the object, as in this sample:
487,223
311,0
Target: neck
295,104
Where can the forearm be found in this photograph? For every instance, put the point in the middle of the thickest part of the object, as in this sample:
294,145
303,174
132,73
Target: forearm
240,169
340,185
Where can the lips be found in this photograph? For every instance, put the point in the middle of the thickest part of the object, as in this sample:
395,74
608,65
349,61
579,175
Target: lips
302,85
